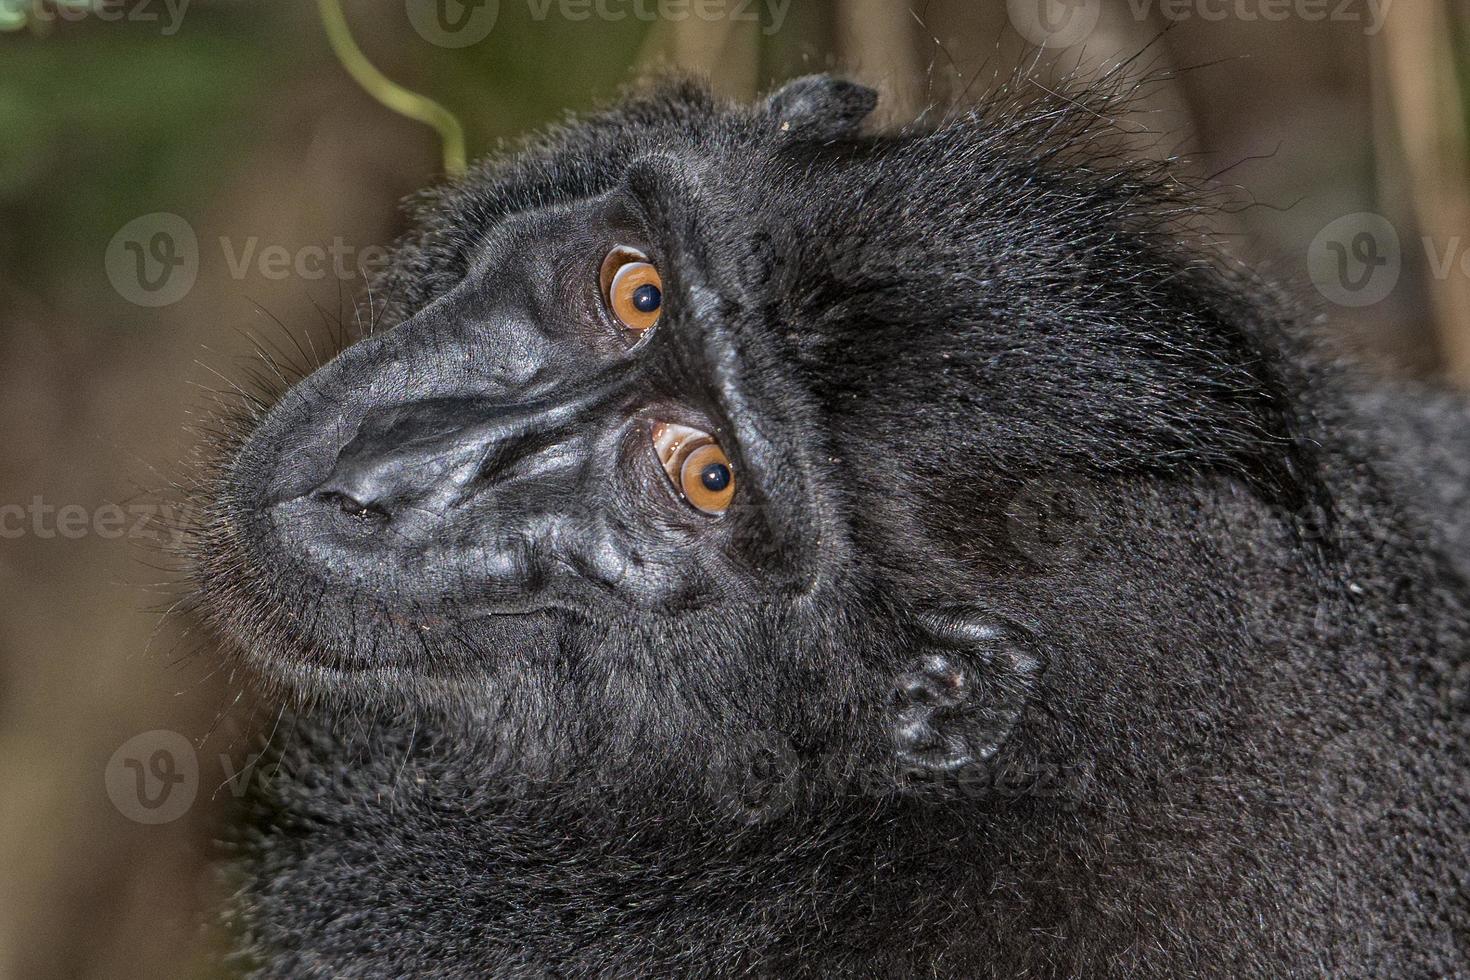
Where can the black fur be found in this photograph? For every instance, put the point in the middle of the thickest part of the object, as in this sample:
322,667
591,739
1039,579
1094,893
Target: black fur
1077,625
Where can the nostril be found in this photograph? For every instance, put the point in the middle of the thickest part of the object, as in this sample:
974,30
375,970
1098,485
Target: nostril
351,505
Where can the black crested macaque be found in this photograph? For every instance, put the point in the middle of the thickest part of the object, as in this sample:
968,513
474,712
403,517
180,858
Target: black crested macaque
753,545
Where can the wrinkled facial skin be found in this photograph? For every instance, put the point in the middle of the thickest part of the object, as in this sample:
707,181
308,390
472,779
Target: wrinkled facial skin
495,452
491,460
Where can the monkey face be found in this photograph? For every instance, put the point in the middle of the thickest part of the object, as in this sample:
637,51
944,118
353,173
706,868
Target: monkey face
568,434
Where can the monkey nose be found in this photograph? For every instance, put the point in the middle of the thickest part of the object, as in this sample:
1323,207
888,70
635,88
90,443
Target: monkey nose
416,459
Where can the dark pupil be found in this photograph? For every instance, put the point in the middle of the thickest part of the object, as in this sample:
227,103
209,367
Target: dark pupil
646,298
715,477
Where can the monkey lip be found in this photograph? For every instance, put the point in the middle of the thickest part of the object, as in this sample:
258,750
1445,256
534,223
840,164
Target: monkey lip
310,636
404,571
304,626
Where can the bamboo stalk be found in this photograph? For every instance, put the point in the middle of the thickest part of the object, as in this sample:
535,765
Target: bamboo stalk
726,50
1429,112
878,40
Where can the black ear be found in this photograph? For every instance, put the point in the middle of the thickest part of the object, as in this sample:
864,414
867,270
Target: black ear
956,703
821,107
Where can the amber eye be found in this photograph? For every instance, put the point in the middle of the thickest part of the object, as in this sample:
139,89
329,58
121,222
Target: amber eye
697,466
632,288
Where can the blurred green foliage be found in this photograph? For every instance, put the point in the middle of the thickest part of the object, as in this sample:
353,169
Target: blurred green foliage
115,111
102,122
105,120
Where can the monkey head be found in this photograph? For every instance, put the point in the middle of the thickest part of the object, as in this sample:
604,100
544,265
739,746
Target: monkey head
691,424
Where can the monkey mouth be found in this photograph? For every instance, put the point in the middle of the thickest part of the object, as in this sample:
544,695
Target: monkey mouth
300,633
268,579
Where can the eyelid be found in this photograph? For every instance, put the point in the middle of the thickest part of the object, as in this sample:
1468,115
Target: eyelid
675,446
618,256
672,443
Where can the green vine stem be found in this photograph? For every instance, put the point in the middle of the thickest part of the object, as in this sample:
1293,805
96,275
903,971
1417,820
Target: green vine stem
390,93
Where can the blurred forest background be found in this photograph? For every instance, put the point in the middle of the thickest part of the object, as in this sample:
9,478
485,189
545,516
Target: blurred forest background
236,116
